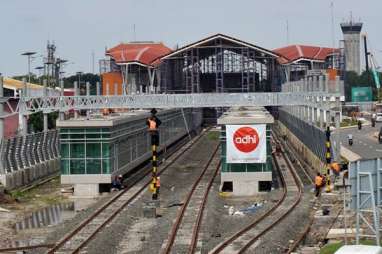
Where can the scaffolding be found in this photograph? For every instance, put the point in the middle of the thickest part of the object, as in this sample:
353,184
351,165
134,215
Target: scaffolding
219,64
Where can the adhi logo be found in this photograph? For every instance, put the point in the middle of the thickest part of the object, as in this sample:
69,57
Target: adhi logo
246,139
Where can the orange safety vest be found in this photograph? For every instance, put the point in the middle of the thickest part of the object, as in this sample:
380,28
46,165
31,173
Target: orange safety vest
318,181
152,125
336,167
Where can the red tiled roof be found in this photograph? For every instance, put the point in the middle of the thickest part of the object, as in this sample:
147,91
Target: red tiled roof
144,53
295,52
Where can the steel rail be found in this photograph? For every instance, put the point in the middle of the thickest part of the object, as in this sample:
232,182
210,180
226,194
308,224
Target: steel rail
180,214
29,247
303,164
298,158
284,215
198,223
66,238
223,245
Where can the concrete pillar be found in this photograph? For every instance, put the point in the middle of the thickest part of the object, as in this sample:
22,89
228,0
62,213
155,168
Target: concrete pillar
315,116
87,94
310,119
321,118
24,130
76,93
98,89
45,115
326,83
61,113
23,123
338,84
158,74
1,111
321,83
87,89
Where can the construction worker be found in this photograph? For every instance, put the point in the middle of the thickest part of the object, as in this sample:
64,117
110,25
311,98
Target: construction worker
153,123
373,119
336,168
318,182
350,139
158,184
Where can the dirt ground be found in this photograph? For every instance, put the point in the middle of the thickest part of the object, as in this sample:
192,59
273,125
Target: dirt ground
20,204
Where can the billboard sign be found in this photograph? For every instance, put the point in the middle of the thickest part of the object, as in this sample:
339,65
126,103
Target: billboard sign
359,94
246,143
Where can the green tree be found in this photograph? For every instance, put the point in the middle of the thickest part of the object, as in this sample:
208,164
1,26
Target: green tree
352,79
85,77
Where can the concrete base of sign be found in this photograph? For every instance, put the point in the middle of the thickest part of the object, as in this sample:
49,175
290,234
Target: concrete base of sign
149,209
335,233
245,183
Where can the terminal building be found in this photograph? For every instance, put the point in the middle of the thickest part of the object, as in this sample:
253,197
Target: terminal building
246,152
94,150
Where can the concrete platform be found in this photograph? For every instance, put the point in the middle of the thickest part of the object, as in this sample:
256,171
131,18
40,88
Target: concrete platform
335,233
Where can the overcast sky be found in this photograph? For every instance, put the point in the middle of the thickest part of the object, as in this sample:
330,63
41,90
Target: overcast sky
79,27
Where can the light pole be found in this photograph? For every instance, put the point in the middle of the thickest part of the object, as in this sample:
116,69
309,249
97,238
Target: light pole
29,54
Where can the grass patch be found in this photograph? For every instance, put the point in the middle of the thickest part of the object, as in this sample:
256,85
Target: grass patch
333,247
46,193
348,122
213,135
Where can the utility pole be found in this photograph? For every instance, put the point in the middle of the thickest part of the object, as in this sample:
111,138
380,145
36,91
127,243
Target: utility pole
328,156
154,123
29,54
333,40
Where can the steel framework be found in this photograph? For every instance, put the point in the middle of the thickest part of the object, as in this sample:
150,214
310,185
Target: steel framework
198,100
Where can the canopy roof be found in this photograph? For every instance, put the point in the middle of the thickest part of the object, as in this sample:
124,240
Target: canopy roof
295,53
143,53
228,41
15,84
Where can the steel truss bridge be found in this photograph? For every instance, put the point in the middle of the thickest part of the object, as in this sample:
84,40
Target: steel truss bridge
28,105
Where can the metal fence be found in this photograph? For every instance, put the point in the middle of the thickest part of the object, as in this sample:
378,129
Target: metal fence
366,197
362,167
21,152
310,135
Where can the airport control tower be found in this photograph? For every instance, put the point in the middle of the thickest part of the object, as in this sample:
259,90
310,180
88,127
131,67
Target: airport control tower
352,31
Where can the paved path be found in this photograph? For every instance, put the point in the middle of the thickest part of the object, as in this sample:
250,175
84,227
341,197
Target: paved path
364,143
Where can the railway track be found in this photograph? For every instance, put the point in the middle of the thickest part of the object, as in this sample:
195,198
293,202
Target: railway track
190,215
77,239
247,237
